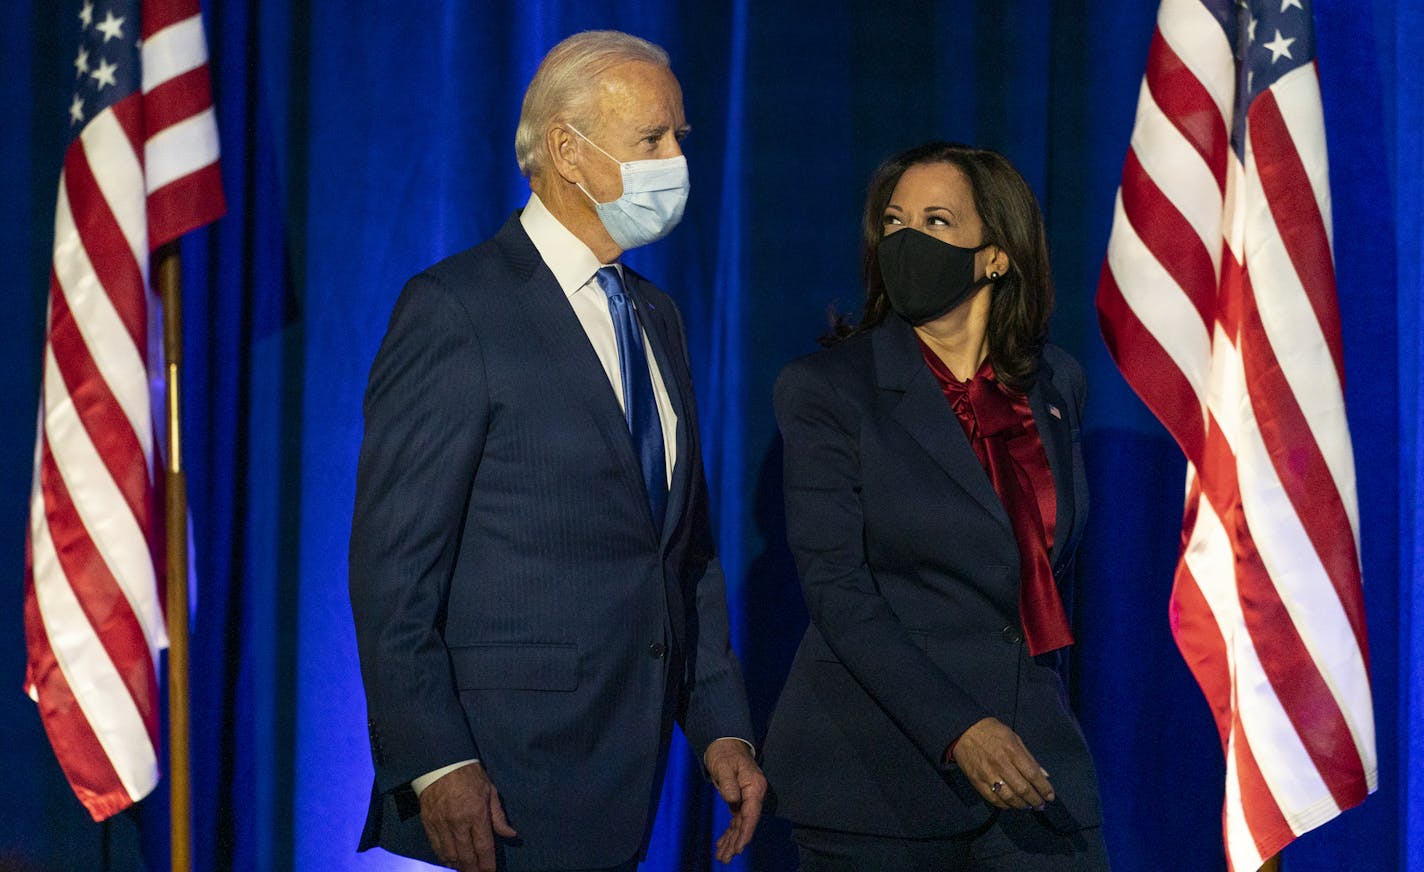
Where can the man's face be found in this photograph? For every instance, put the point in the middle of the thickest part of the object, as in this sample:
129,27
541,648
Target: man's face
638,107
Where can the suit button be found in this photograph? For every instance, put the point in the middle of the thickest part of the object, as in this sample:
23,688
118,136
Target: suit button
1011,635
656,650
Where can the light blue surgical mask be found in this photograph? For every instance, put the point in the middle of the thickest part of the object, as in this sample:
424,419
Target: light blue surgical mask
654,195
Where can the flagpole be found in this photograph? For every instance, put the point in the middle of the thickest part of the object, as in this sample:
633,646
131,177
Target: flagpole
169,280
1272,865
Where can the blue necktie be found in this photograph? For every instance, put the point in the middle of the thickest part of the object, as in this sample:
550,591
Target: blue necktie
640,406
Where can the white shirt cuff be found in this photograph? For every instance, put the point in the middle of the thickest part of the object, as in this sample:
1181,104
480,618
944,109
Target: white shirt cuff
424,781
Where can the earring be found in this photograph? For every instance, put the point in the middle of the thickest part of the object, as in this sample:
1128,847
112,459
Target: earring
994,275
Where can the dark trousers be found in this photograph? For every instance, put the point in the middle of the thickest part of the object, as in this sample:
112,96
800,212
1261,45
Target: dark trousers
629,866
1012,841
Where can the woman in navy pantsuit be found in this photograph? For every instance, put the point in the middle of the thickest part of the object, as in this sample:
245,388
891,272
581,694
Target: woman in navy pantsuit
935,495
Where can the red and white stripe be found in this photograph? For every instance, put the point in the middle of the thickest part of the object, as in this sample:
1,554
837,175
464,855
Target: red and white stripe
1218,302
139,174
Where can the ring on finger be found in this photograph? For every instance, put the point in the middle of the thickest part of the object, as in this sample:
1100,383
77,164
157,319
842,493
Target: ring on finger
996,786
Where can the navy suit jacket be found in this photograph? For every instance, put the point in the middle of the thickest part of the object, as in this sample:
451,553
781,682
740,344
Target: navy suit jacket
911,574
513,599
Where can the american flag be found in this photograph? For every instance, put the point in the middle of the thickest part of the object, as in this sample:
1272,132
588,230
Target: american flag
139,171
1218,302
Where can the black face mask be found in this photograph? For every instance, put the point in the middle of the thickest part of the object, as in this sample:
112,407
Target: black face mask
925,277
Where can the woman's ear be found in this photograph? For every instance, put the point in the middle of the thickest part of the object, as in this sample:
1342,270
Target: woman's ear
998,262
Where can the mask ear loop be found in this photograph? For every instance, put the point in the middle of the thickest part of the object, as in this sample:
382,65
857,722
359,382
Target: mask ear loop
600,151
592,143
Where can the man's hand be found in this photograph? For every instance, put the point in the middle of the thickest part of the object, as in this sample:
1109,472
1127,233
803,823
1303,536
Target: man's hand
992,754
739,780
462,815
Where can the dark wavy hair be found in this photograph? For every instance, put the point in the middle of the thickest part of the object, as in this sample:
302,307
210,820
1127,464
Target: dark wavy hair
1023,297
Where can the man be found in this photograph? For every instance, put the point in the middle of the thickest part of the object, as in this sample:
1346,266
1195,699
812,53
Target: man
536,594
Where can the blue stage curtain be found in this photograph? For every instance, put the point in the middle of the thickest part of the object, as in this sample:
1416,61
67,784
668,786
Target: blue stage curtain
362,142
1397,34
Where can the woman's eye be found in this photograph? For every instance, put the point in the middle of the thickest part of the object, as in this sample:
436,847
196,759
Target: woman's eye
890,219
937,221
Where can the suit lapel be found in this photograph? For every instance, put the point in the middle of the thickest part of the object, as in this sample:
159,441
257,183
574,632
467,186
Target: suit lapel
571,356
1056,434
926,415
659,332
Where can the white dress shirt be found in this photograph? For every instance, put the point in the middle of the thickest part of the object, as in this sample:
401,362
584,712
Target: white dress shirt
574,267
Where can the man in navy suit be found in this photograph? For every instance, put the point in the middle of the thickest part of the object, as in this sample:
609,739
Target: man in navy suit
536,593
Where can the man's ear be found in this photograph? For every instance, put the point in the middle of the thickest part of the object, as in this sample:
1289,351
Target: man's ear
562,148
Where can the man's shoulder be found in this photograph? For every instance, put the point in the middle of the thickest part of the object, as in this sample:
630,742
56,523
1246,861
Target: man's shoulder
494,259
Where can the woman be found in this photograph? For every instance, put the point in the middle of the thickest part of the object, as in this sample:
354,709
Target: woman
935,495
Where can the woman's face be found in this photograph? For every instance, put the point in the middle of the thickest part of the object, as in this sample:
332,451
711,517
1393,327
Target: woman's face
935,198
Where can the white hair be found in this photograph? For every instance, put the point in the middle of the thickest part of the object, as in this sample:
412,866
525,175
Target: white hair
564,86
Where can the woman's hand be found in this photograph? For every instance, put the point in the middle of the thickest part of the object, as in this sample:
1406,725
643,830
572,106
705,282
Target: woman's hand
1001,768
